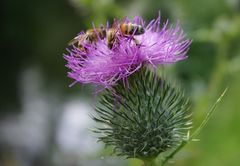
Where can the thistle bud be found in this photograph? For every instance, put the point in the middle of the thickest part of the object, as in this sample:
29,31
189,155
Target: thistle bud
144,117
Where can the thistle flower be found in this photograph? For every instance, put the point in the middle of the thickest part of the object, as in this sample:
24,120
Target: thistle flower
149,116
105,66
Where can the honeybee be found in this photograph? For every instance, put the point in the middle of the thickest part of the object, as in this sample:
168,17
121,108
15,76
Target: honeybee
126,29
111,36
91,36
130,28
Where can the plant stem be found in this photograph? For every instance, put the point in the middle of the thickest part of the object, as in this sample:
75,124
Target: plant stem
150,162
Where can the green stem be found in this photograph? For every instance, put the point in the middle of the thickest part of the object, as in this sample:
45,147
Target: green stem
150,162
174,152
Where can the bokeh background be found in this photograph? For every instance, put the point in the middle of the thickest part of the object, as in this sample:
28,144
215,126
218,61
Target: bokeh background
43,122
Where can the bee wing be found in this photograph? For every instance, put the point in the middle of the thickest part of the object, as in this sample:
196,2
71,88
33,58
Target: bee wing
73,41
76,39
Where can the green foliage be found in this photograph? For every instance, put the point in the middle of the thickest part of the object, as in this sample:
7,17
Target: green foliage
143,117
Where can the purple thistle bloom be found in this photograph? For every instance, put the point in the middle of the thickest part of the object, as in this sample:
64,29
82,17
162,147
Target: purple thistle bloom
104,66
101,65
163,45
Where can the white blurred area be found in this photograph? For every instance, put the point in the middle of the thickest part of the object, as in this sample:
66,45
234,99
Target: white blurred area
28,132
73,134
47,128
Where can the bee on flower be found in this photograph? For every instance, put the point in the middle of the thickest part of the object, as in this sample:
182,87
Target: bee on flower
91,36
106,55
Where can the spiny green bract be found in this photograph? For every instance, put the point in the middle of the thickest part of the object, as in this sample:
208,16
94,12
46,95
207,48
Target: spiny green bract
143,117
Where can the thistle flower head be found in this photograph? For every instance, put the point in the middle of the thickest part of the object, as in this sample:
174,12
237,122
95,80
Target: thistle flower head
143,115
101,65
105,66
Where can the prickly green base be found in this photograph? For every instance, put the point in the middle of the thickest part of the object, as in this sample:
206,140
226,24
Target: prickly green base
143,117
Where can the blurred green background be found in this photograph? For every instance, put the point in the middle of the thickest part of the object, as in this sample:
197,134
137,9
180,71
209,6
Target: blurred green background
43,122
